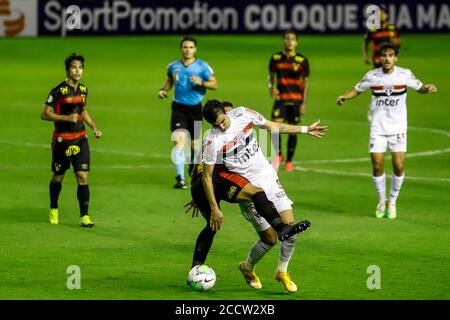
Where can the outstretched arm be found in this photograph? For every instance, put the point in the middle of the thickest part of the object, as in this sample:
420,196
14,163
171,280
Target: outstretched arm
347,96
315,129
427,88
216,218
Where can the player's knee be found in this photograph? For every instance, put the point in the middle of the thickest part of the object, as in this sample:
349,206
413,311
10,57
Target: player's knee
251,190
399,170
82,177
378,169
58,179
269,237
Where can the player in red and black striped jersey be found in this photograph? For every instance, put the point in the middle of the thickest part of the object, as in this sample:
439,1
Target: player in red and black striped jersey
378,37
66,107
288,86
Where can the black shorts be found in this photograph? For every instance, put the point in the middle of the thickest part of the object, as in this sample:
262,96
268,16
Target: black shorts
287,110
185,117
227,186
65,152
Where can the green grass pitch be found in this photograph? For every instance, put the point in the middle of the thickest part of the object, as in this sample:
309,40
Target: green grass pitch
141,247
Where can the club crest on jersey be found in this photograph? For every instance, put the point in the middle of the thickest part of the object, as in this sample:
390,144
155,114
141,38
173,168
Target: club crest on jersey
388,90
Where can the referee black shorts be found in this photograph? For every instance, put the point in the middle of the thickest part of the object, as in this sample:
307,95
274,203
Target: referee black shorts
185,117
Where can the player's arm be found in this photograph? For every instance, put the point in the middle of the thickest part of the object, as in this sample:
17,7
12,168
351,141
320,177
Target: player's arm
365,48
216,218
347,96
273,91
48,113
427,88
211,83
315,129
88,120
167,85
305,95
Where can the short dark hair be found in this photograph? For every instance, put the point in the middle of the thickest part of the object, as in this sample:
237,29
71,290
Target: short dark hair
188,38
387,46
290,31
71,58
227,104
211,110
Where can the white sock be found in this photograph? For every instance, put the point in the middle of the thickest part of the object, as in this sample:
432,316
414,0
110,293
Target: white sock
396,184
286,250
380,186
258,250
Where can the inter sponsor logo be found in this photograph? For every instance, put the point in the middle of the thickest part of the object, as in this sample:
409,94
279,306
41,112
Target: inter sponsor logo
388,102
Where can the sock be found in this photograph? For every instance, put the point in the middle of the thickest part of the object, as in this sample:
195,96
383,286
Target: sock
396,184
83,199
292,144
267,210
55,189
380,186
178,160
202,245
258,250
286,250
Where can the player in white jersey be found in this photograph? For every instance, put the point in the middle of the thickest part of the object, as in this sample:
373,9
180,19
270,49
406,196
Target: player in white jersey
232,142
388,126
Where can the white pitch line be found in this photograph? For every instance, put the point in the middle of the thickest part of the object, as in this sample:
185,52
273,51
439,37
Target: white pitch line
350,160
360,174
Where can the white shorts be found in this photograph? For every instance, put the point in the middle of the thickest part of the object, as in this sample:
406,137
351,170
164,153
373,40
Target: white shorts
382,143
249,212
273,189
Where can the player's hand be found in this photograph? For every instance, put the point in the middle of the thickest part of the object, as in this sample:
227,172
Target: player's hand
196,81
73,117
192,205
431,87
97,133
302,109
316,130
340,100
216,219
162,94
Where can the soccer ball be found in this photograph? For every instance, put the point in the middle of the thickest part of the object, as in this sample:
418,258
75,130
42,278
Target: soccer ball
201,278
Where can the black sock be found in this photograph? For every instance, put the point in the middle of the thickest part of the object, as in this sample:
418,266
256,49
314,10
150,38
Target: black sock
292,144
267,210
83,199
55,189
203,244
